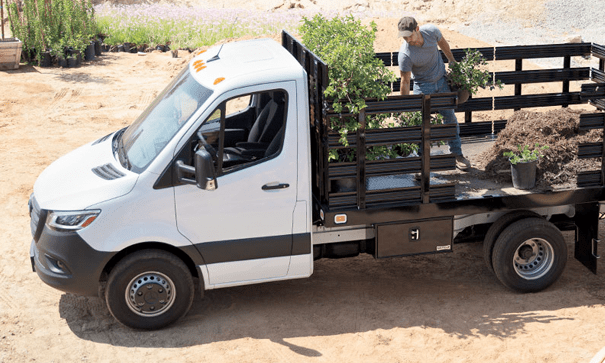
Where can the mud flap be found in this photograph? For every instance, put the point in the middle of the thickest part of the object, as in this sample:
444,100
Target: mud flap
587,235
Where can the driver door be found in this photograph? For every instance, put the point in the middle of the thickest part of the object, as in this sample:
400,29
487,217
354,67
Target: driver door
243,228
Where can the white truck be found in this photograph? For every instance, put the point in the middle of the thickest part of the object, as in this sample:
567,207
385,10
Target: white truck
223,181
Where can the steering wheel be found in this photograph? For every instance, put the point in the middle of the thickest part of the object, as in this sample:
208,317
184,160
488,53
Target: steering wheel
207,146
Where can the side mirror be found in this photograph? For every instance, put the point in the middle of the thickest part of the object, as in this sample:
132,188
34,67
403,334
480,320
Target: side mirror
205,178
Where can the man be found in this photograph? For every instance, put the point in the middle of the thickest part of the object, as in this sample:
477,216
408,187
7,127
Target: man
419,56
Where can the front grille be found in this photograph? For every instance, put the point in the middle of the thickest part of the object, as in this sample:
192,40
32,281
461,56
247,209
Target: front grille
34,214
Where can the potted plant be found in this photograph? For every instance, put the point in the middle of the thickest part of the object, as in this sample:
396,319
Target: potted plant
466,76
10,48
523,165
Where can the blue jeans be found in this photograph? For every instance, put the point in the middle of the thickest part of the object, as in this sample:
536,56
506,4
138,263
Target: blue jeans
449,117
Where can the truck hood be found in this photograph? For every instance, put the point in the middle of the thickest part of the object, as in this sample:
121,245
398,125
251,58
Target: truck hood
85,176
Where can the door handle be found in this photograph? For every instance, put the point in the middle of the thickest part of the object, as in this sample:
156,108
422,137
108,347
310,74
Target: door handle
275,186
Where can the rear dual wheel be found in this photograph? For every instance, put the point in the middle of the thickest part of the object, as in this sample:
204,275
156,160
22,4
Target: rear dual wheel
496,230
529,255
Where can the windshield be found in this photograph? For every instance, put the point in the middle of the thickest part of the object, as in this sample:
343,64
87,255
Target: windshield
158,124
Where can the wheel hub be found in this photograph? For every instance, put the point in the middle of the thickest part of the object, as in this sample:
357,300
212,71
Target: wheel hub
533,258
150,294
526,252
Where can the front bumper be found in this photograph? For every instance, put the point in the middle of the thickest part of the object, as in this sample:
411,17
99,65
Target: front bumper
66,262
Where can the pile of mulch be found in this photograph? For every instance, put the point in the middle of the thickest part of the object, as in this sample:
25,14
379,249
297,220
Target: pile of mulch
558,129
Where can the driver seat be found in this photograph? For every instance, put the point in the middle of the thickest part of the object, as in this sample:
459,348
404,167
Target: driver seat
264,130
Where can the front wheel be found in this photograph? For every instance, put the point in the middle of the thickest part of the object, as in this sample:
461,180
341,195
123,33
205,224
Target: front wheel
529,255
149,289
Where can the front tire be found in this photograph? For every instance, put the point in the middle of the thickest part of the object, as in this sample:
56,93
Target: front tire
149,289
529,255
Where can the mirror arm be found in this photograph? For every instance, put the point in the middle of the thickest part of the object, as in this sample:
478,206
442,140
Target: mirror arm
182,169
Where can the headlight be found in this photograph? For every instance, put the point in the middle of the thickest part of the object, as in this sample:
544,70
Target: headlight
71,221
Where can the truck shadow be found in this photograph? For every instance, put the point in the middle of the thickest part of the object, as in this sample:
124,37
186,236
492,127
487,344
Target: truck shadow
452,292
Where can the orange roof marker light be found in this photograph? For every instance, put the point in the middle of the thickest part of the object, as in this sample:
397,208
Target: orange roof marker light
198,62
199,68
219,80
200,52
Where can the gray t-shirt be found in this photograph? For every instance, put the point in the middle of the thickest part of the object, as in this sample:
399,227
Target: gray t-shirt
424,62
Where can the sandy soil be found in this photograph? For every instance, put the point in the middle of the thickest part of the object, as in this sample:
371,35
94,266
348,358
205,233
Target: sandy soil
441,308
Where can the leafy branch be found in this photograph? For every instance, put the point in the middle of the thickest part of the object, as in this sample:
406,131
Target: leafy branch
355,73
524,154
467,73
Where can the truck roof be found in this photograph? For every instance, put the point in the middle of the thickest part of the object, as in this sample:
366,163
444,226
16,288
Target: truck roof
244,63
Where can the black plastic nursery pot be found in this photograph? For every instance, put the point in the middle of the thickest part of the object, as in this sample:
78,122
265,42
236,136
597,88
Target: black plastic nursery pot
46,59
524,174
463,95
98,48
129,48
89,52
72,62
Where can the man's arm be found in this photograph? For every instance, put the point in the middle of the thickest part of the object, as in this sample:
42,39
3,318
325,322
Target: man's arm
404,87
445,47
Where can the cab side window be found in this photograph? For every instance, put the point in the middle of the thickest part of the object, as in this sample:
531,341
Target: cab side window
245,130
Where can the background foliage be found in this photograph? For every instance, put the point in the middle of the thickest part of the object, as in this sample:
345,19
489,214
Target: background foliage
52,25
187,27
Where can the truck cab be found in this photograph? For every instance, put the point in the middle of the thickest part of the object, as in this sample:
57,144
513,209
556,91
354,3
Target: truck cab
215,172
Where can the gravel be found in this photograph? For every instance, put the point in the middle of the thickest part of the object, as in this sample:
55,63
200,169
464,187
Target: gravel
562,20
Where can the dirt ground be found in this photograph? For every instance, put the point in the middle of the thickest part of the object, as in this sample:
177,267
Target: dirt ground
438,308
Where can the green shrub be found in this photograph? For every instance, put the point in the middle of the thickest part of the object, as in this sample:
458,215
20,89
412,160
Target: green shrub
52,25
355,73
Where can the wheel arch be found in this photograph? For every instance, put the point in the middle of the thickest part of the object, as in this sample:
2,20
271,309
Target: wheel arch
190,261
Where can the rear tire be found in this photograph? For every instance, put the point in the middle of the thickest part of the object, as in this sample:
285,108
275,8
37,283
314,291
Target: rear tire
496,229
149,289
529,255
